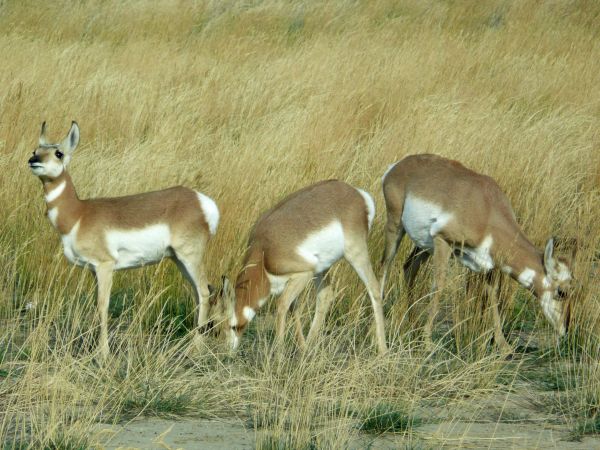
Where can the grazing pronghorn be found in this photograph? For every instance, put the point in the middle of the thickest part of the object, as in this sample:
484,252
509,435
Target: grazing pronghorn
298,240
108,234
448,209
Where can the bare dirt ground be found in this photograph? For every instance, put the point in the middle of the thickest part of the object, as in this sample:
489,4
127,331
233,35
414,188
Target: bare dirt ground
513,420
524,414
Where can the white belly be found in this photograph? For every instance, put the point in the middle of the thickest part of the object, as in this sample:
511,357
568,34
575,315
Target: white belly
324,247
135,248
422,220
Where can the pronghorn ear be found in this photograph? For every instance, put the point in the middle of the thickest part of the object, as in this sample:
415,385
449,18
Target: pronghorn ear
227,290
227,296
72,139
568,249
42,139
548,259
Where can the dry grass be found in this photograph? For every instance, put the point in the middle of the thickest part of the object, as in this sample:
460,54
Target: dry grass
248,101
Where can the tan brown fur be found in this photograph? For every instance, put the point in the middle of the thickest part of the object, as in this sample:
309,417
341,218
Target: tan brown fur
479,209
169,206
88,221
274,239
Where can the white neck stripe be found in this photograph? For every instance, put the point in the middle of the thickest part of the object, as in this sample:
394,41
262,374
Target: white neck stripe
55,193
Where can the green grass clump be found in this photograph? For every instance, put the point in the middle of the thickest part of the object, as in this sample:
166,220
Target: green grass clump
58,440
275,441
388,418
251,101
586,426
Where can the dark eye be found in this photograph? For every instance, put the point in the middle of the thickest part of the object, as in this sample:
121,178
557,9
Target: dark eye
59,154
561,294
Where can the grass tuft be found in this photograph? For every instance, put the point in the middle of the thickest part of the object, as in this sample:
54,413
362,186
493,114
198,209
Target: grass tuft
250,101
388,418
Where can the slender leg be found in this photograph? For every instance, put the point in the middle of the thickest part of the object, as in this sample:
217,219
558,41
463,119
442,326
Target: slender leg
299,332
411,268
492,290
394,232
298,325
190,265
412,265
104,273
358,256
292,289
324,299
441,254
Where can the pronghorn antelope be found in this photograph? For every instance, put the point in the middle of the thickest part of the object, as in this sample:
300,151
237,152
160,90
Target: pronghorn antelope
108,234
448,209
300,239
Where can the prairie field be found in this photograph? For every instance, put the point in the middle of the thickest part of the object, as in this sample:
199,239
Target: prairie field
248,101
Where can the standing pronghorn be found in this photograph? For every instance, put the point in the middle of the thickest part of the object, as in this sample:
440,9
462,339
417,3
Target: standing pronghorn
108,234
448,209
298,240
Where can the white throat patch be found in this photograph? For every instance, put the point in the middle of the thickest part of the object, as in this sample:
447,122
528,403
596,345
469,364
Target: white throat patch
553,311
55,193
526,277
249,313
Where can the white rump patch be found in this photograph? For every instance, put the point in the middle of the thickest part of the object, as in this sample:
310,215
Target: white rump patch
139,247
55,193
478,259
422,220
370,206
210,210
53,215
249,313
526,277
386,173
277,283
324,247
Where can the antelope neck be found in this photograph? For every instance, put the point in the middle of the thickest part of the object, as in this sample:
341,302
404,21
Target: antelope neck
524,263
62,202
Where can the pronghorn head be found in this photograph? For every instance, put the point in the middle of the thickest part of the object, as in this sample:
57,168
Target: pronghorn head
556,287
50,160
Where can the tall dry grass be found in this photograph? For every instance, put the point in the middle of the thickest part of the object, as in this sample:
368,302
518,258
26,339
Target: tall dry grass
247,102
